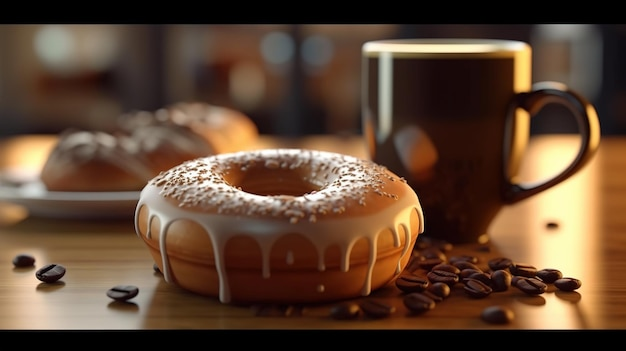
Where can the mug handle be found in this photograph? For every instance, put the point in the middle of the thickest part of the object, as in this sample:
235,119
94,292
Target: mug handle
533,101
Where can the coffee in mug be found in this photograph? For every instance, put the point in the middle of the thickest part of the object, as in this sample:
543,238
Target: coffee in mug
452,116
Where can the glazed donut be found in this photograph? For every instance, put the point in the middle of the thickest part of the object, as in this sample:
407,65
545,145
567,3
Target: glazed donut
279,226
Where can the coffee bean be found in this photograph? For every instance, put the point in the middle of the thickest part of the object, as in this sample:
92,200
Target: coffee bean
377,308
482,276
418,302
433,253
497,315
409,282
446,267
156,268
345,311
23,260
439,289
463,258
523,269
123,292
483,248
531,286
499,263
465,265
501,280
549,275
445,277
424,243
552,225
50,273
435,298
465,273
445,246
475,288
567,284
429,263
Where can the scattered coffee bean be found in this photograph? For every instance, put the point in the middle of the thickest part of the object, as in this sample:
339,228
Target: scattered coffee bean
123,292
552,225
377,308
531,286
465,265
475,288
467,272
433,253
482,276
429,263
501,280
439,289
499,263
484,248
523,269
435,298
23,260
409,282
446,267
514,279
567,284
418,302
345,311
50,273
549,275
156,268
497,315
463,258
442,277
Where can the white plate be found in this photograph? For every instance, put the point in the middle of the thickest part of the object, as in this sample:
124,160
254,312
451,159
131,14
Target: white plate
40,202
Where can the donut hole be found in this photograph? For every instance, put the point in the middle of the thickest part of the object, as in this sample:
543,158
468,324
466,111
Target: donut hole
266,181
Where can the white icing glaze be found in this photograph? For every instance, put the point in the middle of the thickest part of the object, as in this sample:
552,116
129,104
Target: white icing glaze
204,196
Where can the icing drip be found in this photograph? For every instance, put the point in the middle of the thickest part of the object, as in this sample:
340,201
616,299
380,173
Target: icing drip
205,196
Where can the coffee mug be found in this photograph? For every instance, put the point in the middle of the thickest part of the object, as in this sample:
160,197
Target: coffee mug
452,116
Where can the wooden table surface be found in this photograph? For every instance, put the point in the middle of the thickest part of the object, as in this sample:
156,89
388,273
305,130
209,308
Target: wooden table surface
589,243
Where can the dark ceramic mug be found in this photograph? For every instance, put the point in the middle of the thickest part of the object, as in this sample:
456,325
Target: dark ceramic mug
452,116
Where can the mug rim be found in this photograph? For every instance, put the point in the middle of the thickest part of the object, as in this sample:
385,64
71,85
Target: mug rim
444,46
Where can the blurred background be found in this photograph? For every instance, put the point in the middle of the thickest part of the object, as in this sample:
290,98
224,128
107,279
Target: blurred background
290,79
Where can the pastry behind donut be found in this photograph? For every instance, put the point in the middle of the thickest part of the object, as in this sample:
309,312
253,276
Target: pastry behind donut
144,144
95,161
224,129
